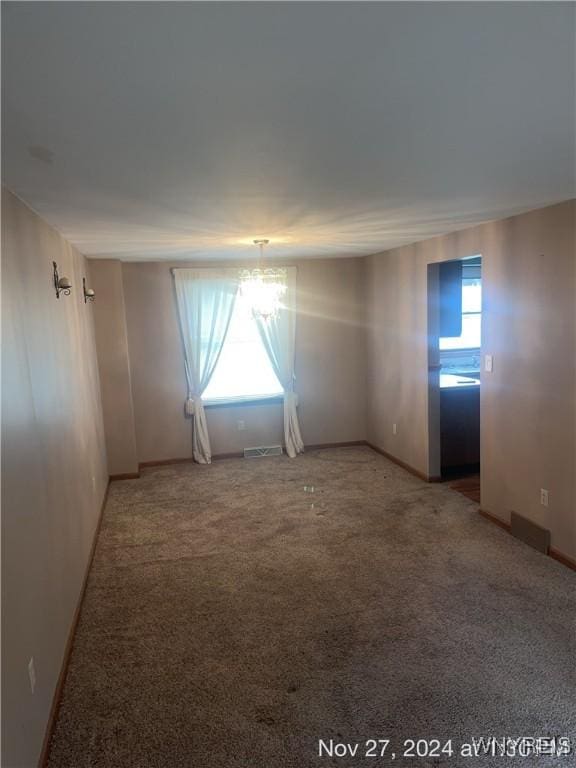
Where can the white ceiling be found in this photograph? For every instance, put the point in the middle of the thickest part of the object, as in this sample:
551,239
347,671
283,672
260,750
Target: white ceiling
184,130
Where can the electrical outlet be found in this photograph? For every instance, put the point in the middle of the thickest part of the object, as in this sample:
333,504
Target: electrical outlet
394,429
241,426
544,497
32,674
488,363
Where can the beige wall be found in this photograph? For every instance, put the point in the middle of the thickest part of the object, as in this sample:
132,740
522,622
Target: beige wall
53,468
528,418
330,364
114,366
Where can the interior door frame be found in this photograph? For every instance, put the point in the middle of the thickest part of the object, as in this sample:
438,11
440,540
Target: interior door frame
433,343
433,357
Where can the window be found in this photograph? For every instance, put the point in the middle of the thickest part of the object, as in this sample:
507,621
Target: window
470,337
243,370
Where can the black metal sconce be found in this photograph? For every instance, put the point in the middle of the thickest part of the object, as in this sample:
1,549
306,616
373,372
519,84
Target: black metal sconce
61,284
88,292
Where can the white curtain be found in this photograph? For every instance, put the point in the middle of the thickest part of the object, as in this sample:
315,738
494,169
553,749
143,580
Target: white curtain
278,334
205,300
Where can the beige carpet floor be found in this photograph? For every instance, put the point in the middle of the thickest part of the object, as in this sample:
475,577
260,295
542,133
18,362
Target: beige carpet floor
237,613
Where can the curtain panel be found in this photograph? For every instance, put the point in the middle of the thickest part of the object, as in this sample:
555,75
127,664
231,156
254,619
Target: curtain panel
205,301
278,334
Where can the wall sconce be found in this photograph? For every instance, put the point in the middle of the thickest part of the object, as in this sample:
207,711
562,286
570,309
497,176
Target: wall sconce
61,284
88,292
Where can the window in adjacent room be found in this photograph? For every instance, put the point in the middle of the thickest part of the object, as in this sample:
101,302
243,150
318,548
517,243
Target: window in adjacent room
470,337
461,354
243,371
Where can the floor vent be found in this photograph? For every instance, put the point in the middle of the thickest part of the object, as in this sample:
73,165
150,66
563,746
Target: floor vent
263,450
530,533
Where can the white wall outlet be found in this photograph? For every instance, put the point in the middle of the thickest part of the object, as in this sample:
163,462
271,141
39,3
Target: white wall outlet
241,426
544,497
394,429
488,363
32,674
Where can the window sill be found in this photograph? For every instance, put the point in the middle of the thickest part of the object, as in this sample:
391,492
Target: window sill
231,402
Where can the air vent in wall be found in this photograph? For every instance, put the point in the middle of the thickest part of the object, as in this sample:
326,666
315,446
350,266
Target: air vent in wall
263,450
530,533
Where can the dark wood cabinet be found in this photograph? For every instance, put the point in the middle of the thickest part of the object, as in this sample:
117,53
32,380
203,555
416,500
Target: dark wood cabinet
459,427
450,285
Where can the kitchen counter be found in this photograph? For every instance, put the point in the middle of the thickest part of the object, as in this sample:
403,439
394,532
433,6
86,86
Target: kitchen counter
452,381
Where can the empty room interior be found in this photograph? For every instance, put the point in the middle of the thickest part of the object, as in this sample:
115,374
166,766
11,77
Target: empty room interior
288,384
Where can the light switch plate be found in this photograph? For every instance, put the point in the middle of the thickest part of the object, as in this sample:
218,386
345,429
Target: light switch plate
488,363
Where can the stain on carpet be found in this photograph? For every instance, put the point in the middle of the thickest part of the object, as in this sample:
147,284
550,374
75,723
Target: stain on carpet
233,618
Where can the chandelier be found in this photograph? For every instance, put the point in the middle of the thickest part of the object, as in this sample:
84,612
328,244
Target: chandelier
263,287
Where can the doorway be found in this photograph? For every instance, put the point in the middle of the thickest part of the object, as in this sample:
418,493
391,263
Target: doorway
454,355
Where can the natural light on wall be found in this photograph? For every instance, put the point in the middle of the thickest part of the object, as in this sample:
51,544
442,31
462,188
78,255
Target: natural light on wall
243,370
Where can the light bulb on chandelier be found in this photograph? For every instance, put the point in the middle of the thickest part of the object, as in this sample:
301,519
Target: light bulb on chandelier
263,287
